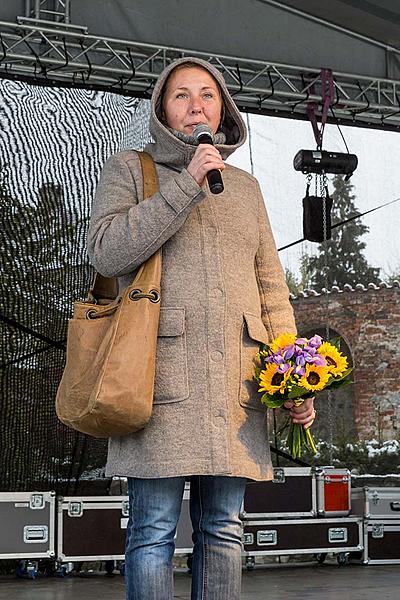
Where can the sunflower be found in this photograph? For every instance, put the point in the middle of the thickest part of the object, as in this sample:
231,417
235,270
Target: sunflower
315,378
285,339
335,361
272,381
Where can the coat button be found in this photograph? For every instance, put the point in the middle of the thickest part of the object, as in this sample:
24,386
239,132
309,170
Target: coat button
217,292
216,356
220,419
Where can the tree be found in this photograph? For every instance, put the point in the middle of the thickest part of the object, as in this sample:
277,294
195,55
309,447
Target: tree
292,282
341,259
43,269
393,275
298,285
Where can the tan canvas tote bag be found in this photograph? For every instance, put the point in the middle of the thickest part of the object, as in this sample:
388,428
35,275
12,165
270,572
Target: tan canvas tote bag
108,382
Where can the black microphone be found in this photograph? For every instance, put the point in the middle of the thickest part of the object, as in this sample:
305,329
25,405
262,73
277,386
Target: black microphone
203,134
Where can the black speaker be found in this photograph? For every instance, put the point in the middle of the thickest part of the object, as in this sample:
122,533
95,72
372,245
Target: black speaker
313,222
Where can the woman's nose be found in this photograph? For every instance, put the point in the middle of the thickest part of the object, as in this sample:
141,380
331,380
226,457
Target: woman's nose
196,106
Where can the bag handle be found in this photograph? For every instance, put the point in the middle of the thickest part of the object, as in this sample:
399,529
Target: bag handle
107,287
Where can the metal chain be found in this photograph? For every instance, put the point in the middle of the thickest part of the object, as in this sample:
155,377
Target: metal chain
323,182
323,187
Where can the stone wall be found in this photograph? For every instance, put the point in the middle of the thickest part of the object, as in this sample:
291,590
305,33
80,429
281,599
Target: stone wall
368,320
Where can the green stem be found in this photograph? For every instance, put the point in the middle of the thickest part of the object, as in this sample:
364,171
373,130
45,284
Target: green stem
298,439
311,443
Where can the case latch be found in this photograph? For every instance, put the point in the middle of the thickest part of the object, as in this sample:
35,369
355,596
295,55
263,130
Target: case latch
75,509
36,501
36,534
279,475
125,508
378,531
375,498
337,534
248,538
268,537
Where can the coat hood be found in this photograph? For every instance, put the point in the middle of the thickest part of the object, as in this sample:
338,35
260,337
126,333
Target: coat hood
177,152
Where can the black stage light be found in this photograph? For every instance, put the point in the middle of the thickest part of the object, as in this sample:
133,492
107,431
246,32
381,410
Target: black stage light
321,161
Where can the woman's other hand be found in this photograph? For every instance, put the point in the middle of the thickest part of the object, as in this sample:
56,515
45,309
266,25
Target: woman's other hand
205,159
303,414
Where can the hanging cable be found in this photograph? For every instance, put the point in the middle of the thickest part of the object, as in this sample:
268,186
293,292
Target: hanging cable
250,145
239,76
25,357
35,334
356,216
265,97
340,131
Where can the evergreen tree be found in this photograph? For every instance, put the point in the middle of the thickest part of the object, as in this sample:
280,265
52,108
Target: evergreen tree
37,244
43,269
341,260
298,285
292,282
393,275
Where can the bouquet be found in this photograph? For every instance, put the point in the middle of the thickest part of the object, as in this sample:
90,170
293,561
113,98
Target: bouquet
292,368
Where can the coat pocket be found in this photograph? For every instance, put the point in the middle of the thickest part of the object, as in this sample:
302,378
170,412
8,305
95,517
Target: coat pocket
252,334
171,380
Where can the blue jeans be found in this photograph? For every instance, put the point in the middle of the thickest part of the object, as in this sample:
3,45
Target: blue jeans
155,506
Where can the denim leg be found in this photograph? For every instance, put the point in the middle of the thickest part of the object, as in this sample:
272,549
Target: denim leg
217,531
154,508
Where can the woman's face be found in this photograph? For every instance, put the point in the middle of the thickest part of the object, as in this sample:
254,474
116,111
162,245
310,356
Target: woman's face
191,97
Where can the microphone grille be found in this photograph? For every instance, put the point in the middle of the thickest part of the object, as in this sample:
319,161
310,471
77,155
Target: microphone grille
202,129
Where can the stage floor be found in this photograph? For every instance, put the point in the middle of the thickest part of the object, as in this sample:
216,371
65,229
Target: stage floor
308,581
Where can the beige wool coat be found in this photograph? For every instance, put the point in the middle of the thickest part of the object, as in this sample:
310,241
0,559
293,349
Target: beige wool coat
223,292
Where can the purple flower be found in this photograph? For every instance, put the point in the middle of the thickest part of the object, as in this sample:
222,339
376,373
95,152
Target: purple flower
301,341
309,357
300,360
288,351
299,370
315,341
278,359
283,368
298,350
319,360
310,350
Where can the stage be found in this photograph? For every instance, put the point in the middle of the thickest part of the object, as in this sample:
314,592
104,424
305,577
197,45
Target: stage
304,581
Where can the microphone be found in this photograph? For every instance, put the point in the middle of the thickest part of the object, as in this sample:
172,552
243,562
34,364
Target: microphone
203,134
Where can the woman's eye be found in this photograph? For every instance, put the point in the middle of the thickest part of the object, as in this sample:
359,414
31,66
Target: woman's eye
181,95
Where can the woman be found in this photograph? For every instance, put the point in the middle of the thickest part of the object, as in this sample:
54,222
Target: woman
223,292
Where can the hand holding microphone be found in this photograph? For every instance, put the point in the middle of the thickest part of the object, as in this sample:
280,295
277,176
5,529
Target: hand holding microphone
207,161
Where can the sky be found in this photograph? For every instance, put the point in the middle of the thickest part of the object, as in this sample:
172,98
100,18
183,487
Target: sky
274,143
71,133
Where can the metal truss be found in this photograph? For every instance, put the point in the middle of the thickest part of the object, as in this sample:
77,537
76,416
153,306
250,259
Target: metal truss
48,11
59,54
